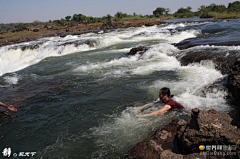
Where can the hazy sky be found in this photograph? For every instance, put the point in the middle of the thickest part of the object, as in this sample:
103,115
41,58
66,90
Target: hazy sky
12,11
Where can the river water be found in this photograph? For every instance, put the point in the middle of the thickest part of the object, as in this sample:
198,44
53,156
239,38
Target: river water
76,95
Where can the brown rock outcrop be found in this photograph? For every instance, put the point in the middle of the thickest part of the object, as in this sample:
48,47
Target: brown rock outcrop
223,60
204,128
153,146
207,127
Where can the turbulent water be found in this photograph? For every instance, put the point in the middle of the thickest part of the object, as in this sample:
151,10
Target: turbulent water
76,95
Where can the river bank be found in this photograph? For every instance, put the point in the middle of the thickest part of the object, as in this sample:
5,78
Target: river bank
8,38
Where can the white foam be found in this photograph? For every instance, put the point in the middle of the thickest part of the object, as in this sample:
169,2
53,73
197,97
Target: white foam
155,59
182,25
193,78
12,80
12,59
125,130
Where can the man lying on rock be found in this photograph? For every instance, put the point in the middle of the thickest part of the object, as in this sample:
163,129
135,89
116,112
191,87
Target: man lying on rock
165,97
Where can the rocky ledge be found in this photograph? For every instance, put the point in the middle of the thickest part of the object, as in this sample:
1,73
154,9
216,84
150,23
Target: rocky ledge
233,84
181,140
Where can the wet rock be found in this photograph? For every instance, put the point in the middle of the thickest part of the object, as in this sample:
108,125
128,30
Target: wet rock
90,43
30,47
170,155
233,84
153,146
68,32
138,50
204,128
222,59
208,128
220,41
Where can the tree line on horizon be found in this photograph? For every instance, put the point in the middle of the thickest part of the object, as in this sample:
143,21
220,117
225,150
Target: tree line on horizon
203,11
211,11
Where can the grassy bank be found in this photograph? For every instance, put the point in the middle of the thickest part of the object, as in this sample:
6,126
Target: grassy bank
224,15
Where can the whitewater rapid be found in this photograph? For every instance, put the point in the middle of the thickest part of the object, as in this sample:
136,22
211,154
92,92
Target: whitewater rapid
19,56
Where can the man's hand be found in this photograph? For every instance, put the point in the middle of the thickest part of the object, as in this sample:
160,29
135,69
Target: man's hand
12,108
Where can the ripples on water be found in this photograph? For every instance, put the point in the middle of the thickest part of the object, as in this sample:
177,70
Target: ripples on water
76,95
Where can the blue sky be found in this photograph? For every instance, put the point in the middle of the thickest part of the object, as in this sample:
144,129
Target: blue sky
12,11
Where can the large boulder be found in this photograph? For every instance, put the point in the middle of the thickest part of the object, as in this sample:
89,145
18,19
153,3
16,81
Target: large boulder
223,60
204,128
234,81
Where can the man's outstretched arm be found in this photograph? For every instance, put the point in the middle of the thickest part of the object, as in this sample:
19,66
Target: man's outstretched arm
160,111
9,107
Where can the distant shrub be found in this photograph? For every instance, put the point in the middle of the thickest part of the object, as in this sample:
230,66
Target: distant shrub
20,27
184,13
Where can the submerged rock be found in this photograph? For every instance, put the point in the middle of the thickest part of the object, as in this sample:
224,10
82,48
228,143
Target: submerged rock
90,43
138,50
204,128
234,81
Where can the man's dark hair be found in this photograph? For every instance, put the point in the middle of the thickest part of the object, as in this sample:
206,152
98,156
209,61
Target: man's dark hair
166,91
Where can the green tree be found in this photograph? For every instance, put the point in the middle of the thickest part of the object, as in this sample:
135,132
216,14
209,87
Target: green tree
78,18
184,12
220,8
234,7
207,11
159,11
167,11
20,27
119,15
68,18
109,17
58,22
